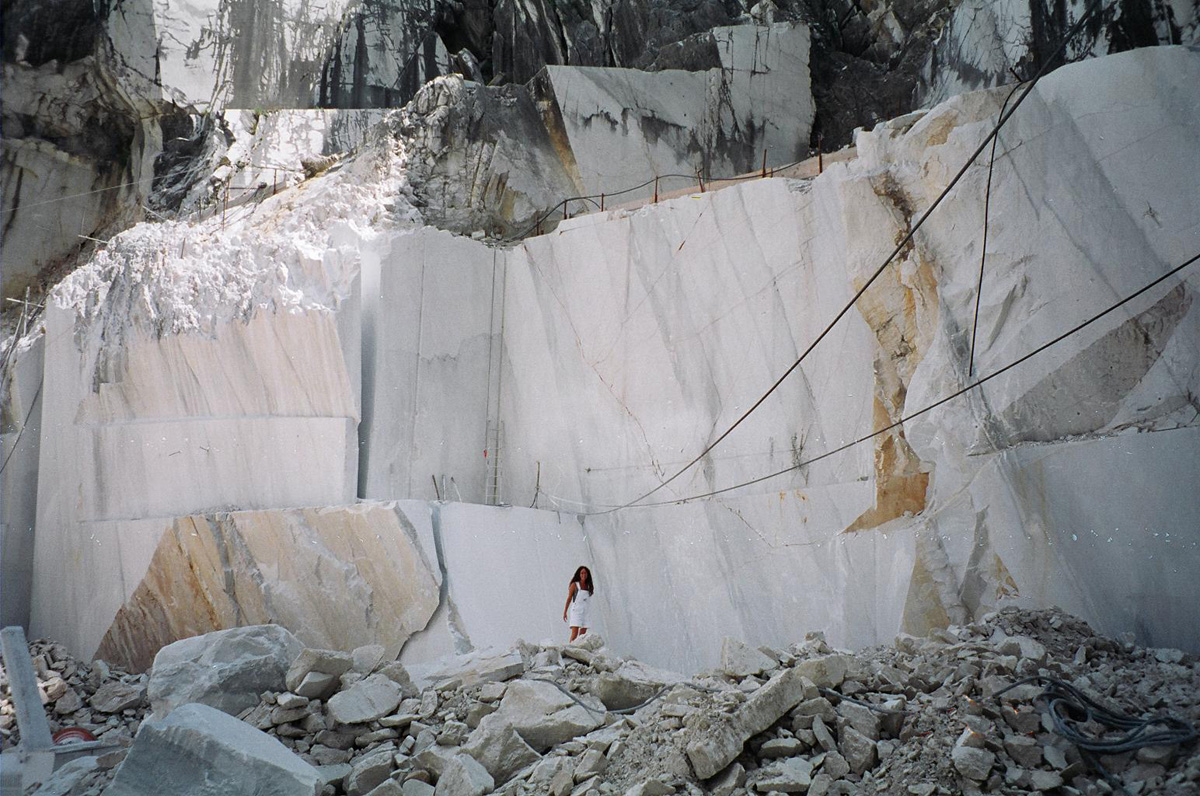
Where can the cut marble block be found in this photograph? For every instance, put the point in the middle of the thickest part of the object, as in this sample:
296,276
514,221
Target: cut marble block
431,335
625,126
148,427
337,577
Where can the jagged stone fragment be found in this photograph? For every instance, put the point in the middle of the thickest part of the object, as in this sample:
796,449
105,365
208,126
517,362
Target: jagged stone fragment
201,751
226,669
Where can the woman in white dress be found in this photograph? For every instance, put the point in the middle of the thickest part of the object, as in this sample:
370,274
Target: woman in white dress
579,597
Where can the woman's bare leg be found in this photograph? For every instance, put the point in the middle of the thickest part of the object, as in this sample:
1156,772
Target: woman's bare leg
583,631
574,632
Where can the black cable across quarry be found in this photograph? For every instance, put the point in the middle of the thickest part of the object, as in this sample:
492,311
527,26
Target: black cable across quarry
930,407
899,247
987,206
1071,711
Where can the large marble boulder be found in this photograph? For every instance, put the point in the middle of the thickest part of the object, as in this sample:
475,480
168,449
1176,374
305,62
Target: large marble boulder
200,751
226,669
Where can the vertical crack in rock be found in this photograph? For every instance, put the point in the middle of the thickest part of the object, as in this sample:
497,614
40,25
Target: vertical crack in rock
1084,395
454,623
900,308
217,527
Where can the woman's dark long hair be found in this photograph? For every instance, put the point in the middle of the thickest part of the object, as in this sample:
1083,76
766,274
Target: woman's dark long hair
591,581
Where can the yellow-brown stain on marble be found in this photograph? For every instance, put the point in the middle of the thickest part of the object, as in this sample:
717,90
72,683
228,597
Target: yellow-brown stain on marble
900,308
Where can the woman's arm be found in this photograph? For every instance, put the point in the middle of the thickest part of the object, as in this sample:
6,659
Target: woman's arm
570,596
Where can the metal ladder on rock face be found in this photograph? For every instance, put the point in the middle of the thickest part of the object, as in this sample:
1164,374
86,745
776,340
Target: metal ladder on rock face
495,434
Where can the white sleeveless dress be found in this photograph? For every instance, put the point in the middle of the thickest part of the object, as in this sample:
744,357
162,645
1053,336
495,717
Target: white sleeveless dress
577,616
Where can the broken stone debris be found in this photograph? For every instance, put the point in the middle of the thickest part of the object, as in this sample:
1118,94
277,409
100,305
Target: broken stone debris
226,670
198,750
917,717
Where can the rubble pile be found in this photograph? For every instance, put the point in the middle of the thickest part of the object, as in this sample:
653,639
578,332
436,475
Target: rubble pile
924,716
104,700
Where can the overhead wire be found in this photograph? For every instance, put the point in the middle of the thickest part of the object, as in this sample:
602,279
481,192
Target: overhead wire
878,271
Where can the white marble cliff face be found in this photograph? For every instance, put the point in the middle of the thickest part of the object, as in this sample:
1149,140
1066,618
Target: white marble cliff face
250,155
610,352
647,333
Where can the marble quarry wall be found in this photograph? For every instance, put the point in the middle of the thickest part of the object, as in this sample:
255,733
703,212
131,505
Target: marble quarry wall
984,41
721,121
665,324
216,398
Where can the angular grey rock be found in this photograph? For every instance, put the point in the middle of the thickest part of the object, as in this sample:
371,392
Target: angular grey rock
113,697
821,783
974,764
367,772
543,715
858,749
328,662
741,660
591,763
492,692
201,751
398,674
68,703
453,733
860,718
631,684
1024,750
780,747
793,775
714,747
499,749
823,735
415,787
333,773
593,642
781,693
367,658
389,787
67,780
227,669
819,706
728,781
434,759
316,685
367,700
825,672
835,765
1045,780
464,777
651,787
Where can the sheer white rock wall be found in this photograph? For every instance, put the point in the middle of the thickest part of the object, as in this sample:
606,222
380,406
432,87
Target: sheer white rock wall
630,339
